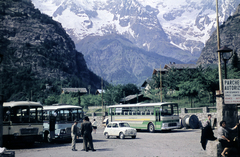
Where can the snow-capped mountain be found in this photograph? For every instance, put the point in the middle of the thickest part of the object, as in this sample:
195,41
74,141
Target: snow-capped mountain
153,32
186,24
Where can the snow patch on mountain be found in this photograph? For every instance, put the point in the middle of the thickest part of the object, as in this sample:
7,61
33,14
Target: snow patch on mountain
187,23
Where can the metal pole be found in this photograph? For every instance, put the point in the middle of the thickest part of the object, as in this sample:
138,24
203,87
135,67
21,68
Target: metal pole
1,120
219,53
225,68
102,94
1,107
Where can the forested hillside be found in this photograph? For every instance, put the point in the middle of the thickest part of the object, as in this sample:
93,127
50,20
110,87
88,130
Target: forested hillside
37,51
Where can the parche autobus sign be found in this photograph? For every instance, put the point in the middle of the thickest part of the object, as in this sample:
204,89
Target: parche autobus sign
231,91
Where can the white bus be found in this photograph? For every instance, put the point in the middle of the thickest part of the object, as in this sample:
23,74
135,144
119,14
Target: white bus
150,116
22,122
58,119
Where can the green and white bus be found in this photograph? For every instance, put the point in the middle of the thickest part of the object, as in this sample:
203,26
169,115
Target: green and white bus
150,116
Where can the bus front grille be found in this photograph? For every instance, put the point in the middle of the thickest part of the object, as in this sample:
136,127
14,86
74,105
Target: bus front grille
68,130
172,124
29,131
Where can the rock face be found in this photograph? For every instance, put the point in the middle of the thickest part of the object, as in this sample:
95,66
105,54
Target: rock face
119,60
33,40
229,36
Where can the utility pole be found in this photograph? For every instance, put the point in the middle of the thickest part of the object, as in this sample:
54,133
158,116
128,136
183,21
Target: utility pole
102,93
89,88
219,53
160,84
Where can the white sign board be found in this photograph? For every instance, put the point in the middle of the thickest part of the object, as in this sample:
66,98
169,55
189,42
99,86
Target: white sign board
231,91
118,110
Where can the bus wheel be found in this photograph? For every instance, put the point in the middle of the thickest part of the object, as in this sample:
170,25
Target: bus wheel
121,135
133,137
151,128
49,139
45,137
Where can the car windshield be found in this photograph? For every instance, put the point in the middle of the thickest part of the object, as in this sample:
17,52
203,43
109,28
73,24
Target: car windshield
124,125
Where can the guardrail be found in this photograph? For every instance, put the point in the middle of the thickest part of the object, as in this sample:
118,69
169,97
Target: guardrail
201,110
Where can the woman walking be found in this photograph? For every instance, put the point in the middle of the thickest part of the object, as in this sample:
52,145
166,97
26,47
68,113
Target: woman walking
94,125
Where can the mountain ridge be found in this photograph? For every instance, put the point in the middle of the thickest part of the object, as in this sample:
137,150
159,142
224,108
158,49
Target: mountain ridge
175,29
229,31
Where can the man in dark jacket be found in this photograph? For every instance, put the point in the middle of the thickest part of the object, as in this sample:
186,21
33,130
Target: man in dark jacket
86,132
207,133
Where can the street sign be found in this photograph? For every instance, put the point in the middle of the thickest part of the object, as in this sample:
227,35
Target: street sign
231,91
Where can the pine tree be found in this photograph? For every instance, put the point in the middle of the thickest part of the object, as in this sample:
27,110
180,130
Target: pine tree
235,62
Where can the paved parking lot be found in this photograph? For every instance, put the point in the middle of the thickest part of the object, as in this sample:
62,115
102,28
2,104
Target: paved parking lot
177,143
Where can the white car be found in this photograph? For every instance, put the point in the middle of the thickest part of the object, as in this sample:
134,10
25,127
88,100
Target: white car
119,129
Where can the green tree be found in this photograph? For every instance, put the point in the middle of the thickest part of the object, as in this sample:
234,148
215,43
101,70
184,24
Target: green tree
114,93
235,62
189,88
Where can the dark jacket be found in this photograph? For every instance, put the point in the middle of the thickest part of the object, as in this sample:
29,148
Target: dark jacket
86,128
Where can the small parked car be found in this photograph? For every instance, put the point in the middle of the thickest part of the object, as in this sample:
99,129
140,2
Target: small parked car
120,130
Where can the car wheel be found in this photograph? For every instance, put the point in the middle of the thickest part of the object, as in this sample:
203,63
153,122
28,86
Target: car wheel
121,135
106,135
133,137
151,128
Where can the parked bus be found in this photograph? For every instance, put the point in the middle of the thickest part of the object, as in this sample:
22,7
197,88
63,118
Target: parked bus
22,122
150,116
58,119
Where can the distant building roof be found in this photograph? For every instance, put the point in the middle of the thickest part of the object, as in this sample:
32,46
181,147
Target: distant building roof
180,66
132,98
146,82
157,70
74,90
99,91
173,65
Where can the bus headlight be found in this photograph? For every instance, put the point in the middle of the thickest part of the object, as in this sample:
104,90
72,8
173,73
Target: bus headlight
62,131
16,134
164,125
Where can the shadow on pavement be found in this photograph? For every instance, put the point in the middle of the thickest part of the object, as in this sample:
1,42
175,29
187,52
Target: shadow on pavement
170,131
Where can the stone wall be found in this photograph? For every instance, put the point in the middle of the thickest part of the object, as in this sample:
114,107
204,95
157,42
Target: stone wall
202,114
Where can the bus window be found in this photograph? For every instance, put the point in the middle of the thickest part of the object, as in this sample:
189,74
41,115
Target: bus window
45,115
20,115
169,110
35,114
63,115
74,114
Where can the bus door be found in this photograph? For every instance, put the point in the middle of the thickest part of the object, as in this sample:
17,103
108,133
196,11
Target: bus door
158,117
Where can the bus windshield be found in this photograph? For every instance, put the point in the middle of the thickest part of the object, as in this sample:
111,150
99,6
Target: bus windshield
66,115
169,110
25,114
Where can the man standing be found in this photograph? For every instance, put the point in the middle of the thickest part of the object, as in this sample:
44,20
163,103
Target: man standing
207,133
74,135
86,132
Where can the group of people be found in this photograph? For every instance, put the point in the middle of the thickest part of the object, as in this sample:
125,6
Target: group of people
223,135
86,132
